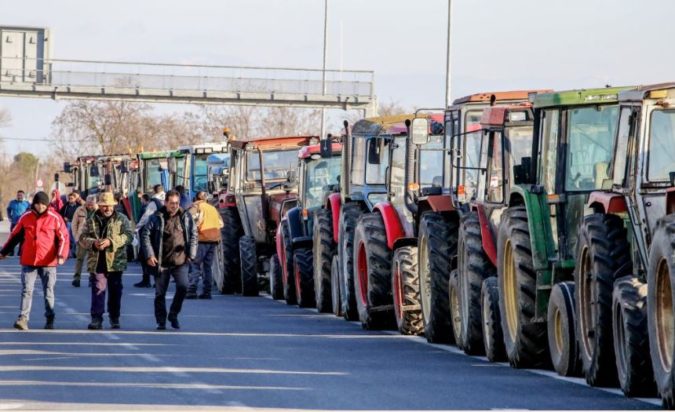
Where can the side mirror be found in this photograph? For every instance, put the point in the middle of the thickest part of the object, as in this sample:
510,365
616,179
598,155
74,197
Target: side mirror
374,151
419,131
326,147
67,167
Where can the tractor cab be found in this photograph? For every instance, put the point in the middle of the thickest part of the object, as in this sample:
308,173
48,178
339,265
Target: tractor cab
197,161
159,168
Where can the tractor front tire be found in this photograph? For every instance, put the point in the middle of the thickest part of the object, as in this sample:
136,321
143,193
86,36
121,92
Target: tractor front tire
249,260
336,301
405,287
304,279
493,338
231,232
348,218
561,324
323,250
288,278
276,283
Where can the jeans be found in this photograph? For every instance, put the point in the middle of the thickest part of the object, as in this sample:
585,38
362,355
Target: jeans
203,261
180,275
81,256
28,276
111,281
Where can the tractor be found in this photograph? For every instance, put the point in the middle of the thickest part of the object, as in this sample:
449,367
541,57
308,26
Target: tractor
195,176
260,191
556,267
638,193
291,269
505,145
442,205
385,246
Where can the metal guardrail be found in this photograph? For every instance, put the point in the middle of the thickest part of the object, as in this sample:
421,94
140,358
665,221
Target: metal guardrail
176,82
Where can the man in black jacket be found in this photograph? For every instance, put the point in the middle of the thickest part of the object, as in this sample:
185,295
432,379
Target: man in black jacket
169,241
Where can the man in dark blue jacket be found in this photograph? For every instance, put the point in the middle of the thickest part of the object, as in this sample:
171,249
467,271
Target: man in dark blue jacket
169,241
15,209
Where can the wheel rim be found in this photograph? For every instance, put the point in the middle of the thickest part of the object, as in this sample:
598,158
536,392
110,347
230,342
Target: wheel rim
425,287
398,295
558,330
586,306
664,316
456,318
362,268
510,290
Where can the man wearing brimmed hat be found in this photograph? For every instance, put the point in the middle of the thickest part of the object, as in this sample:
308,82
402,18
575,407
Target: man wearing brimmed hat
106,234
39,254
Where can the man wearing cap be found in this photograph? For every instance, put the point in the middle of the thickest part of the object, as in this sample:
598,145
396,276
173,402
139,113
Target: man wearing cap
79,219
106,234
39,254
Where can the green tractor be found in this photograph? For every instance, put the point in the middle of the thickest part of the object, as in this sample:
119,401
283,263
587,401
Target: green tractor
556,268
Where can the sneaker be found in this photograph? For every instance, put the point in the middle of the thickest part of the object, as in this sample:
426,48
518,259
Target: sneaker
114,323
191,295
205,296
161,326
174,321
142,284
21,323
76,283
96,323
50,323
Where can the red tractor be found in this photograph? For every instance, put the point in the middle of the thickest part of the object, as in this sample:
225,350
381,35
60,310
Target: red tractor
292,270
440,211
261,190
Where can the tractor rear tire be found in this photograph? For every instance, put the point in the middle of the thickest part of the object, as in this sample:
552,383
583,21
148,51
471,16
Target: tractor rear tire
473,267
276,283
372,277
249,260
525,340
304,279
231,232
455,309
661,313
493,338
286,261
437,246
631,338
405,287
561,324
603,256
335,286
348,218
324,250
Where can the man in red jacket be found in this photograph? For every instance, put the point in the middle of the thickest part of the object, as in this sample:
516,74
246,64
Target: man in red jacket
39,254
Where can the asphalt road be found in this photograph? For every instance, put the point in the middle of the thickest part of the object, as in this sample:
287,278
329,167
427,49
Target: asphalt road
249,352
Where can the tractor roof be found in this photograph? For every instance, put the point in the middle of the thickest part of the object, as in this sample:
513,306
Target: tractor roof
307,151
204,148
651,91
493,97
500,115
579,97
160,155
271,143
390,125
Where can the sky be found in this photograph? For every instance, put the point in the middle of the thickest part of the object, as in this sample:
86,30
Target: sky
496,44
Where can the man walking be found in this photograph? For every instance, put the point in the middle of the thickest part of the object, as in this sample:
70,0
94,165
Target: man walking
79,219
208,223
106,233
145,280
68,212
45,245
169,242
15,209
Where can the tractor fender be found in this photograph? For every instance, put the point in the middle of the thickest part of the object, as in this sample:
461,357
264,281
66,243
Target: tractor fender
334,202
607,202
295,224
277,240
436,203
392,223
486,235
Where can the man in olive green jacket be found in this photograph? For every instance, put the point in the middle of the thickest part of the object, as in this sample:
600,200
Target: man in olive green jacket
106,234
